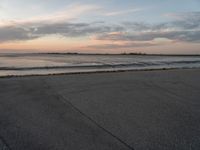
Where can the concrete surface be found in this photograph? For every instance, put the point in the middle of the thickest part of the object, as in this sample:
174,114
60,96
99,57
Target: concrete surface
145,110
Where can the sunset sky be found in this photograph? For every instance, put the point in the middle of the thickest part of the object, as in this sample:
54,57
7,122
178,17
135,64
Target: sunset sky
103,26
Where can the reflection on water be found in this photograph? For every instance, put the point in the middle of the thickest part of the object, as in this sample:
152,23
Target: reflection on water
27,64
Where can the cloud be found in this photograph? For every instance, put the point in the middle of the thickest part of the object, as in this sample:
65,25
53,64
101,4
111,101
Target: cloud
185,36
15,34
29,32
69,13
184,29
117,13
119,46
185,20
184,15
75,29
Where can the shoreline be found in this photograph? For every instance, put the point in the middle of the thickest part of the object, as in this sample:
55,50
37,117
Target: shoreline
96,72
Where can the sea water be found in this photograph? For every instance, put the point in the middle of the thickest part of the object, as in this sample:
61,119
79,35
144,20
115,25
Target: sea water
41,64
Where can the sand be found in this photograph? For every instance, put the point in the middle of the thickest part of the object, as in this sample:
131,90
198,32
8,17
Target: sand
144,110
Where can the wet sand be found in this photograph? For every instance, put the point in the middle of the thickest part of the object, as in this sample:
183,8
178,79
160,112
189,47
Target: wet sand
143,110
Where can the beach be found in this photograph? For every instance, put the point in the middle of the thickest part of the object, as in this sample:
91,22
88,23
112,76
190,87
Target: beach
140,110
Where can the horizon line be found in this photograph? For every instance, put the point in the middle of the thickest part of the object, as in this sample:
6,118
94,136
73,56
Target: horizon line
124,53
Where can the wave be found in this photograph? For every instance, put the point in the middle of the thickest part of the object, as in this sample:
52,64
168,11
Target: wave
100,65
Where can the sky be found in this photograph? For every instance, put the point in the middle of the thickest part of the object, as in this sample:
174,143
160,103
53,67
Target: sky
103,26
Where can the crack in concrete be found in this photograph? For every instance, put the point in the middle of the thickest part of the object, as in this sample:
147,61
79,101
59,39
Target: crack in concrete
3,144
67,102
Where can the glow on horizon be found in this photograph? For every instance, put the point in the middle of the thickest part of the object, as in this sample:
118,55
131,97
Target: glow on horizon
100,27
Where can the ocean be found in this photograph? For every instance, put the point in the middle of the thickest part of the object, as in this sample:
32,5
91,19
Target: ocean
42,64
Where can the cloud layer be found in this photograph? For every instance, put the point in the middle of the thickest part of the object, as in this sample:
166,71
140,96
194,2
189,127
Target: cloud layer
184,28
